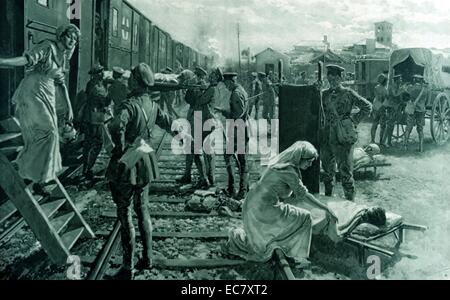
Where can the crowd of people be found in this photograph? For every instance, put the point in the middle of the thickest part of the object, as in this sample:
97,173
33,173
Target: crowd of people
119,115
403,100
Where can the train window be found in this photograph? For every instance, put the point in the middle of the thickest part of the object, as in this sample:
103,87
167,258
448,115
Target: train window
125,27
115,21
135,34
44,3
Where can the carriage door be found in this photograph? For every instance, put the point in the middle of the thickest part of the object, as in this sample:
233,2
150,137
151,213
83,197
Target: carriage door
11,45
101,31
299,108
135,40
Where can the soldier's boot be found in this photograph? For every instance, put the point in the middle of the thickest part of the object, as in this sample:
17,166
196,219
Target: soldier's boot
210,169
229,191
243,186
202,182
187,178
328,190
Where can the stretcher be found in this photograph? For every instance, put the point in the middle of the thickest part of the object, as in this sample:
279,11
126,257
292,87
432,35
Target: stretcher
363,236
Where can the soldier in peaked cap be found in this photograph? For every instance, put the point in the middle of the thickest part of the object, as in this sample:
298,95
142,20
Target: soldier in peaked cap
200,102
96,112
129,184
192,97
337,147
394,106
268,97
200,72
237,135
118,90
256,89
96,69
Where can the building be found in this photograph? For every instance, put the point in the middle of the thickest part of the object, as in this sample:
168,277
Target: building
267,61
383,33
378,47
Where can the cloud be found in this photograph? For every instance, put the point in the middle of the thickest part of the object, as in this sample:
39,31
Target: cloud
280,24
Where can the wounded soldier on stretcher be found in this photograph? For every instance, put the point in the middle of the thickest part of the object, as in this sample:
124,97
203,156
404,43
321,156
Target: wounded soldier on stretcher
280,213
367,156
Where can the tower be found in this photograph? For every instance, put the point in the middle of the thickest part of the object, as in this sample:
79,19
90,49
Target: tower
383,33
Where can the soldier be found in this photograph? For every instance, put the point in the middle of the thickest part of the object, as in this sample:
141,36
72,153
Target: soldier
268,97
97,112
394,105
337,142
416,109
130,183
256,89
237,135
379,108
118,90
199,103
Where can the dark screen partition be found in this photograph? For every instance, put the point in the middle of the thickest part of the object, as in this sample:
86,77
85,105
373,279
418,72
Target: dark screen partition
299,114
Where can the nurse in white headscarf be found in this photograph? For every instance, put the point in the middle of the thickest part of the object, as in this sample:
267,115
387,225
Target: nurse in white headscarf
269,222
36,99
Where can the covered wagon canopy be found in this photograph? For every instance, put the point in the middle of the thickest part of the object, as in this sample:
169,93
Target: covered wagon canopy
433,65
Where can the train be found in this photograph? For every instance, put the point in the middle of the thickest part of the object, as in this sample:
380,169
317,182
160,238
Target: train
113,33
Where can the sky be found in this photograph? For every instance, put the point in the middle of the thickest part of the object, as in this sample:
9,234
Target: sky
211,25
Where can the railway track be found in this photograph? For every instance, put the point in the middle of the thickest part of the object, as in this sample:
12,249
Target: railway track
169,211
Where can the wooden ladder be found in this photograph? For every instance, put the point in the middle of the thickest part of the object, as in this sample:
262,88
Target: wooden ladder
54,220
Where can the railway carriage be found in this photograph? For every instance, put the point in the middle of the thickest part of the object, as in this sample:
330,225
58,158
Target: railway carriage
114,33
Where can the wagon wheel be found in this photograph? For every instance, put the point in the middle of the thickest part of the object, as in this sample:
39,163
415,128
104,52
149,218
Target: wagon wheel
440,119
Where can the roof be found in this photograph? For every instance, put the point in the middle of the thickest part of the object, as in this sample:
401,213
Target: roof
270,49
329,57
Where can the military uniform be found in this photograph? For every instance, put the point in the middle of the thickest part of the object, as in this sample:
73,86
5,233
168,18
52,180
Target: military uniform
418,94
118,89
200,102
238,112
136,119
332,152
256,89
394,105
96,113
268,99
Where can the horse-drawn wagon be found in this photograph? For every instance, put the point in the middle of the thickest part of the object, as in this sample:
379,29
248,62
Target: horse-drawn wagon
435,69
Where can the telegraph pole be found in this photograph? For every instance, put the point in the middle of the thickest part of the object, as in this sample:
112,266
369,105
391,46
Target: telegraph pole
239,49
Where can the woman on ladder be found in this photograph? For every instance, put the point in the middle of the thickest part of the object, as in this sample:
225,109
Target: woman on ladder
35,98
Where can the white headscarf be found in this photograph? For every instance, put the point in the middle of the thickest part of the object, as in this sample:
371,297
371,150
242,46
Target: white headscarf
292,156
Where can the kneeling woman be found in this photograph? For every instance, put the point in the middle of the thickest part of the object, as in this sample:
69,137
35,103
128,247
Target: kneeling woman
269,222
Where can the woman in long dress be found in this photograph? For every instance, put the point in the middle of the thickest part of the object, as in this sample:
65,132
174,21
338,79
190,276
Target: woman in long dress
269,222
35,99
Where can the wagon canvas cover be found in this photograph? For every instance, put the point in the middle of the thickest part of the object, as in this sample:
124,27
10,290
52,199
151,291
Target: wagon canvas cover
432,61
